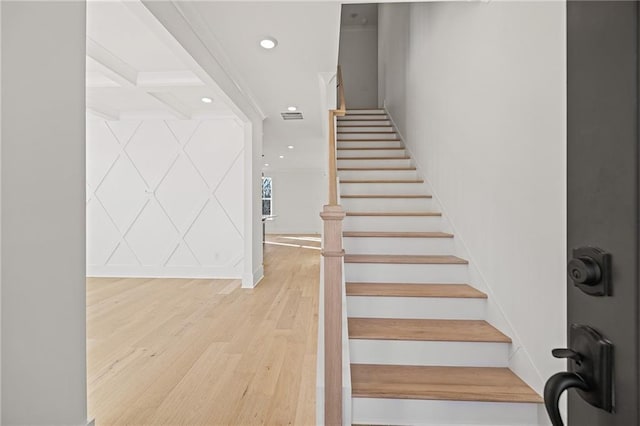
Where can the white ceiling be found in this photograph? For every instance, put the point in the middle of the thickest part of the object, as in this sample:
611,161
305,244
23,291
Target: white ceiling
133,73
307,34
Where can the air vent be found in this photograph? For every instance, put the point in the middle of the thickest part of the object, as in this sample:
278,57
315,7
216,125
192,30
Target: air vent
297,115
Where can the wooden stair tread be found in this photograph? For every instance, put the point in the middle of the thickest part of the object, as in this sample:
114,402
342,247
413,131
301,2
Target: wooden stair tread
359,112
369,140
453,291
386,196
364,125
381,181
482,384
375,158
374,168
369,149
391,214
381,234
381,117
367,132
411,259
432,330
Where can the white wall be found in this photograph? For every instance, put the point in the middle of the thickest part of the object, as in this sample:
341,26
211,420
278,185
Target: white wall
43,213
186,33
478,92
359,61
298,197
165,198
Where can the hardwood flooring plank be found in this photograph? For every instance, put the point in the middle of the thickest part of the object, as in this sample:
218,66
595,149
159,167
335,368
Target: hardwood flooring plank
207,351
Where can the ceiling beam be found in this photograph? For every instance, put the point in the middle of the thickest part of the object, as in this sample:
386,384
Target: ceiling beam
151,79
174,104
185,38
112,66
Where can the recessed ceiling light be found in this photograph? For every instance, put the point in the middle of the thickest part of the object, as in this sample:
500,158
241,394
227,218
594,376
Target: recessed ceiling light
290,147
268,42
266,164
292,108
282,156
207,100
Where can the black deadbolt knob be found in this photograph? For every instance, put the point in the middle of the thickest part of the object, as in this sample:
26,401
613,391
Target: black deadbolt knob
584,270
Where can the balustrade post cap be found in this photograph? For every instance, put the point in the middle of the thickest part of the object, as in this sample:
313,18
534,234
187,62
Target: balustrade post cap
332,212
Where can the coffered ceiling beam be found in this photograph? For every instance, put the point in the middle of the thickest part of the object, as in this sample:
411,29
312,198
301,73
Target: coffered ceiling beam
112,66
174,104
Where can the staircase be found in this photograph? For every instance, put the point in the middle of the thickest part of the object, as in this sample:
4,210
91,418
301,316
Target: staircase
421,351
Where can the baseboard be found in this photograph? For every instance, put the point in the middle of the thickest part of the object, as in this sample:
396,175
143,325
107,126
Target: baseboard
164,272
252,280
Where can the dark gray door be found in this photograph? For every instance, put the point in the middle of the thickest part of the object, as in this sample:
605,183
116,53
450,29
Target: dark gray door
603,188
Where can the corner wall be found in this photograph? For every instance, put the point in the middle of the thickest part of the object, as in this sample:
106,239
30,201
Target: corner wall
165,198
477,90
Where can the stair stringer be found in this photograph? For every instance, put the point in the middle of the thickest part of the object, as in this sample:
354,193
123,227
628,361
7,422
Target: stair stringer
520,362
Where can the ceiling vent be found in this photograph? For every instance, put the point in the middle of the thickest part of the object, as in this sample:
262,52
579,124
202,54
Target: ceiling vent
296,115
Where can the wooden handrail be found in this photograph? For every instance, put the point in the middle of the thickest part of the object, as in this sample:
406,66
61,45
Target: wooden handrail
333,264
333,177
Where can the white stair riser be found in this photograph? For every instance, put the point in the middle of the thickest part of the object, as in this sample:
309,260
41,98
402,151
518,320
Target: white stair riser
370,144
406,273
356,153
382,188
448,354
378,174
350,136
365,111
365,122
393,223
398,245
387,204
360,129
403,162
416,307
382,411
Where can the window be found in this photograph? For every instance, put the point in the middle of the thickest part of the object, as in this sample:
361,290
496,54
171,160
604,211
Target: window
267,202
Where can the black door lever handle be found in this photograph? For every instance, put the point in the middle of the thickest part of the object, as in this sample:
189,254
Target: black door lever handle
554,387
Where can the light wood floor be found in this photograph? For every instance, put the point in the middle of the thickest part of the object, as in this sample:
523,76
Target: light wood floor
206,352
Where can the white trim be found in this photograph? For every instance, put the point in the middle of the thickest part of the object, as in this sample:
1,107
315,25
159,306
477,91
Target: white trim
137,271
252,280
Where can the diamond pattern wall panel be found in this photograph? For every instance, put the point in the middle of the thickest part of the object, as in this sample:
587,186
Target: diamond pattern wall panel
214,147
153,148
182,192
228,195
152,235
165,198
101,152
214,244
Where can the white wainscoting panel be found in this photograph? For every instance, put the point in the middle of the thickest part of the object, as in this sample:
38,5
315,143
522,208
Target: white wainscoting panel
165,198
